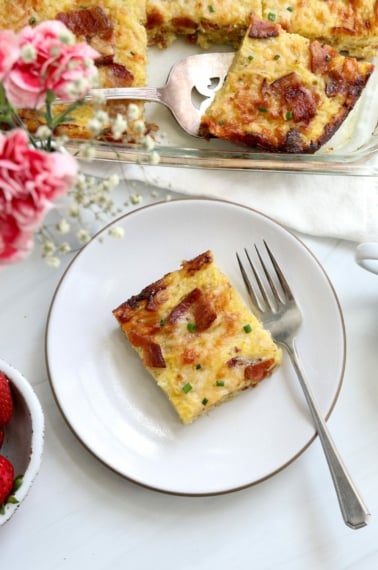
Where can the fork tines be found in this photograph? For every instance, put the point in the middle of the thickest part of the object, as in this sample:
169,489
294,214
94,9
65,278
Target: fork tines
265,296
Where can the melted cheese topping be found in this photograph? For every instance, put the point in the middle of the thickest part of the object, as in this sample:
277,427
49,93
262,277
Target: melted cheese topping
284,92
197,338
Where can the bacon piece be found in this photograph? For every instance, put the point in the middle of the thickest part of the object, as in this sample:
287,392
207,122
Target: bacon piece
298,98
204,315
197,263
118,75
137,339
320,56
255,370
105,59
152,354
122,76
88,23
182,23
258,370
262,29
149,294
154,19
184,305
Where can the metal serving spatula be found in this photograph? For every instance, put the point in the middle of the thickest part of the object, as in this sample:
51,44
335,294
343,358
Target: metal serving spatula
189,90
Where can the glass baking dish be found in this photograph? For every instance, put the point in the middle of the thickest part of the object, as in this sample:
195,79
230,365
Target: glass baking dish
353,150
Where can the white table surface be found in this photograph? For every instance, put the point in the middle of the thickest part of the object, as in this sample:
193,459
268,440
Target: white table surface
81,514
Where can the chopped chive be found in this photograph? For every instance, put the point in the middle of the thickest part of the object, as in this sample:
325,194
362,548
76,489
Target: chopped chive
271,16
250,58
263,109
290,9
211,8
162,322
277,56
204,401
187,388
219,383
328,57
191,327
221,122
247,328
289,115
32,20
198,366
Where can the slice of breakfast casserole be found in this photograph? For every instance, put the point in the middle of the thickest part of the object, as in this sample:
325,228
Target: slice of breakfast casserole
197,338
284,92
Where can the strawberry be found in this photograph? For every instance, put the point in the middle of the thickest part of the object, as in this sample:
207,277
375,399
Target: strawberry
6,402
6,479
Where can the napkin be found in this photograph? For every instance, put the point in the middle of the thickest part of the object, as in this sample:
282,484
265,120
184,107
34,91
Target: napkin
344,207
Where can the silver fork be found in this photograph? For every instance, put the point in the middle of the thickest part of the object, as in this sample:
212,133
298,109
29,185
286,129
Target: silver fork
190,87
281,315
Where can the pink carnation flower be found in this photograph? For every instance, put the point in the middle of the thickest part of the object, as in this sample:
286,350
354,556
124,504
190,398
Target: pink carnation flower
48,62
30,180
9,52
15,243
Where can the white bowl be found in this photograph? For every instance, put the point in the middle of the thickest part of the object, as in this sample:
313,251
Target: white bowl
24,435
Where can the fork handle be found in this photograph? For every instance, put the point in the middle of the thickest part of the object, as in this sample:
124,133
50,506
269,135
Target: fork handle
154,94
354,511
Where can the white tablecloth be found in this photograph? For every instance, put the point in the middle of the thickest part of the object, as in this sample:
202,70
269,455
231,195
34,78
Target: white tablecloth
344,207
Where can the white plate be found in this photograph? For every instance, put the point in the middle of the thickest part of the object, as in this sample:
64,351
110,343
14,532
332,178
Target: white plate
113,405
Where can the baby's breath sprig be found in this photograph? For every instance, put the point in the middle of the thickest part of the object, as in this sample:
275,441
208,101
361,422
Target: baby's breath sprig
91,203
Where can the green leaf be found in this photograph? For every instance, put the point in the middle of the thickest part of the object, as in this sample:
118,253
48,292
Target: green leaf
17,483
12,500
